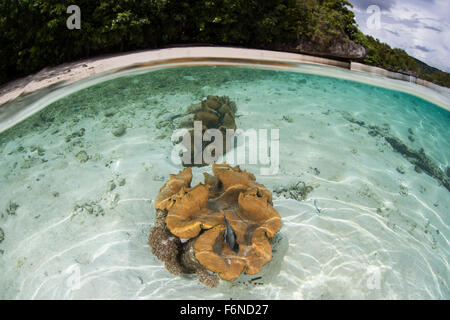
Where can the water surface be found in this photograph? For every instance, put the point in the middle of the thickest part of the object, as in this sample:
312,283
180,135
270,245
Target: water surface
77,180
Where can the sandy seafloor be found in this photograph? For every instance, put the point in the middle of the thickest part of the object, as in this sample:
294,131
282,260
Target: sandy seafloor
77,230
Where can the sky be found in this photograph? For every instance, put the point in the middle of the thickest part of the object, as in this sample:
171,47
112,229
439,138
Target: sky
420,27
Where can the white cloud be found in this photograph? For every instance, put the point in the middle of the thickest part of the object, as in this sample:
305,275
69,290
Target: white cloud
420,27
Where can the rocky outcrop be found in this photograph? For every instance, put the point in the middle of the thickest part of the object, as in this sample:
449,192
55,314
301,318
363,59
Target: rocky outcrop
342,49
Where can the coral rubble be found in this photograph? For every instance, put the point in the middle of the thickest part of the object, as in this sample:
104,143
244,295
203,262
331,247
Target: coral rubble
221,228
298,191
418,158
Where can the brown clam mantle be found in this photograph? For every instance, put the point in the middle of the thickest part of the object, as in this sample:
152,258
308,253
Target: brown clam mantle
222,227
214,112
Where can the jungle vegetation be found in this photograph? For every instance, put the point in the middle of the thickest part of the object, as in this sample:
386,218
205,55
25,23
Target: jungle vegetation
34,35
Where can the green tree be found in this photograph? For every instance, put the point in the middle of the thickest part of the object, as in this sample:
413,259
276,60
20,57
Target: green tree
33,33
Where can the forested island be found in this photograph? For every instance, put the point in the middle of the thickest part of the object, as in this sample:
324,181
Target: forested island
34,35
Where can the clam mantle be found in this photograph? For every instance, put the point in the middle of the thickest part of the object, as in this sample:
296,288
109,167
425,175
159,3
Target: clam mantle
220,228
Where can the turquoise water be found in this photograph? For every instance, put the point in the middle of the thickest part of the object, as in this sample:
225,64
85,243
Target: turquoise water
77,180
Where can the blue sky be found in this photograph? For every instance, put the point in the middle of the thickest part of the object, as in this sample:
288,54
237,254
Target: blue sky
420,27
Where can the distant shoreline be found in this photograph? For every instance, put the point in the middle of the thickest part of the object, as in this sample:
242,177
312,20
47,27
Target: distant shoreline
68,73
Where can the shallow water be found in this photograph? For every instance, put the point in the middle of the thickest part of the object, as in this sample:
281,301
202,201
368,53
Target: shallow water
78,178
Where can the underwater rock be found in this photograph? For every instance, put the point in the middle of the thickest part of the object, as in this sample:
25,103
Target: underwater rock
91,208
119,130
39,149
75,134
288,119
109,113
2,235
221,228
215,113
298,191
31,161
111,186
122,182
12,208
400,169
96,157
403,190
418,158
82,156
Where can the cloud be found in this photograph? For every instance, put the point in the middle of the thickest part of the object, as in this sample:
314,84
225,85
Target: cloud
422,48
394,33
420,27
433,28
385,5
